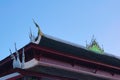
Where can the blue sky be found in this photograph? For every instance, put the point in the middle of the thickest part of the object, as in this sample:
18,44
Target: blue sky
71,20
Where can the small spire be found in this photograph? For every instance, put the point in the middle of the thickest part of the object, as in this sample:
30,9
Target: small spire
18,63
23,59
10,51
16,50
31,36
13,58
11,55
15,47
102,47
86,44
93,38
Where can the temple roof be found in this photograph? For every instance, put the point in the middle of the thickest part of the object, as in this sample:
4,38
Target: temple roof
88,54
79,51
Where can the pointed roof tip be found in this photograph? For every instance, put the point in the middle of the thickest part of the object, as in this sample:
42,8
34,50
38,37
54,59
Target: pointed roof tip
15,46
10,51
33,21
30,33
93,37
39,30
23,51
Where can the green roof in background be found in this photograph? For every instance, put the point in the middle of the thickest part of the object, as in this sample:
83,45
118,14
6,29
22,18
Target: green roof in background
94,46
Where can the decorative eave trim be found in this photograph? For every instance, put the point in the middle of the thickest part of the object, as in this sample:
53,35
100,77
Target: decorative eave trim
74,57
42,63
30,63
10,76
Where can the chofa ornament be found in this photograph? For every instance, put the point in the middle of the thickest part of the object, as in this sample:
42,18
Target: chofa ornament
39,35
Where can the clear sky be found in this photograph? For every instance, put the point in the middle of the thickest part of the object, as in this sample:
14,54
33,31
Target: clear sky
71,20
